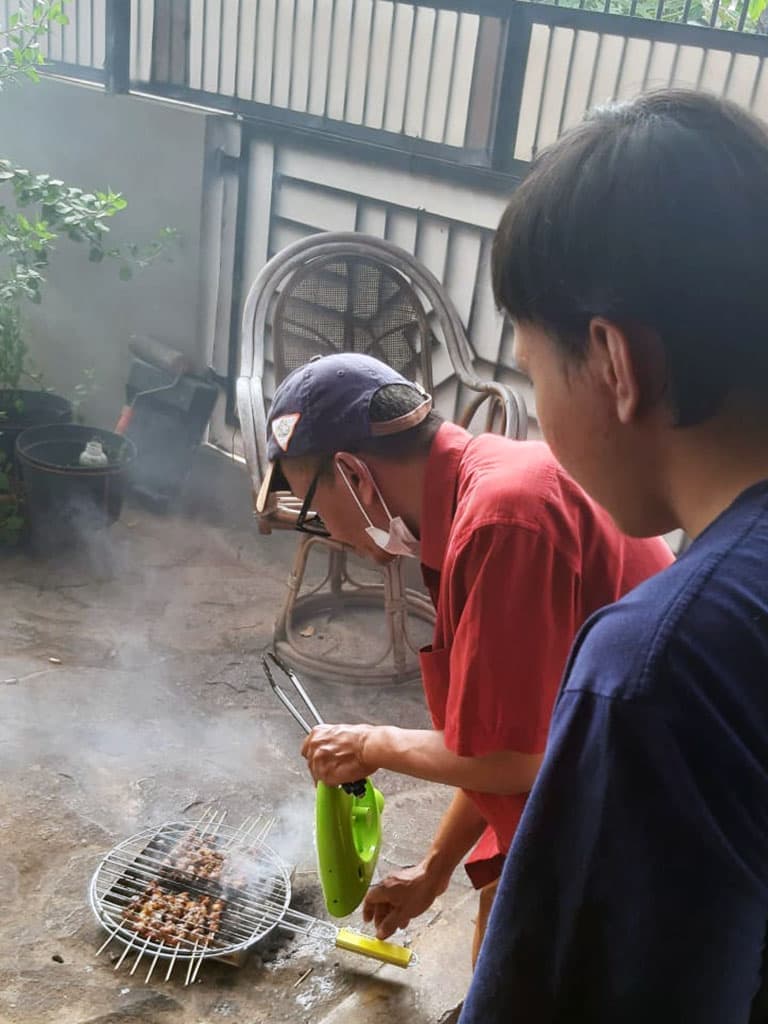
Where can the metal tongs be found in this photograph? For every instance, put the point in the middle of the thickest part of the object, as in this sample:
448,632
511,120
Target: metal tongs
353,788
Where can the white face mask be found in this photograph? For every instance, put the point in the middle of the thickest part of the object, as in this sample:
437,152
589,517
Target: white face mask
399,540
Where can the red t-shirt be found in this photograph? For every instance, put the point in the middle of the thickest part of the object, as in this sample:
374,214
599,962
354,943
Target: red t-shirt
516,556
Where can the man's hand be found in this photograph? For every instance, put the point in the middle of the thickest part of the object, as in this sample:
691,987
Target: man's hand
336,753
402,896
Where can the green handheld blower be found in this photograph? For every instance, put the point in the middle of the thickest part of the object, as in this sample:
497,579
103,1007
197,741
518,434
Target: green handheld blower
347,817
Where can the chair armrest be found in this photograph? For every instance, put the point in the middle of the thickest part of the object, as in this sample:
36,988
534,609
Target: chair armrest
253,428
253,425
503,401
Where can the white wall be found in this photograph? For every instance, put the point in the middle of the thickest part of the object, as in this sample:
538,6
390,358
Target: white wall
151,152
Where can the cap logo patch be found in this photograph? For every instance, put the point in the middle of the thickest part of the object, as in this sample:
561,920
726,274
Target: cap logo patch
283,428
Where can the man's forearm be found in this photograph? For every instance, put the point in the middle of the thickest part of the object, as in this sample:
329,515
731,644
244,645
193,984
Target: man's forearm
460,828
422,754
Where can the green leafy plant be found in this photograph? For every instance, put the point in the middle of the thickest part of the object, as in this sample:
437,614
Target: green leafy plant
20,47
725,14
28,239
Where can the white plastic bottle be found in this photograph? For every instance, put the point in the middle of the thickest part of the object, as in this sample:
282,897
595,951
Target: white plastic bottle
93,455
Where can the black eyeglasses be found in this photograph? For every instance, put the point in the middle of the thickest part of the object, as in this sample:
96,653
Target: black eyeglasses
307,520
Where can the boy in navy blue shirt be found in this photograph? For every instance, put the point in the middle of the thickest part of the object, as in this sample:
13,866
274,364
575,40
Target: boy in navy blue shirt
632,261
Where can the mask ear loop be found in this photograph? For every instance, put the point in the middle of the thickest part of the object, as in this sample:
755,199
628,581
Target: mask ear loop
357,500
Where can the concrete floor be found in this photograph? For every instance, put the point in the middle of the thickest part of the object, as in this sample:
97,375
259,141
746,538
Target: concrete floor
155,708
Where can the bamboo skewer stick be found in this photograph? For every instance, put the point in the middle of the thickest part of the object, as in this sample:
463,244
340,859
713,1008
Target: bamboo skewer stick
107,941
125,951
171,964
191,963
141,954
152,965
199,962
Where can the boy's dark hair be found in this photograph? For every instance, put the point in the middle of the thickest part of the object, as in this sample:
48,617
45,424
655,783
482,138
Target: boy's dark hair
651,213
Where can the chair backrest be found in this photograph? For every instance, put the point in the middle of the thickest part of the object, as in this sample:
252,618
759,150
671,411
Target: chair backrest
350,303
334,292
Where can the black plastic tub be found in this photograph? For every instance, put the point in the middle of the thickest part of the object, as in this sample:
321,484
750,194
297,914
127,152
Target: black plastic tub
67,502
20,410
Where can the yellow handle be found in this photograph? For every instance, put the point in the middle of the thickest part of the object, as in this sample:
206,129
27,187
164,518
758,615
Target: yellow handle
386,951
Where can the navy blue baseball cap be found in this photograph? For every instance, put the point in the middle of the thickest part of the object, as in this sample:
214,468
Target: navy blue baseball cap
324,406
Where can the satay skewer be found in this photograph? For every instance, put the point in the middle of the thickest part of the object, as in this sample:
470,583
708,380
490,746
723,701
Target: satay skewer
171,964
141,954
191,962
125,951
200,961
154,961
107,941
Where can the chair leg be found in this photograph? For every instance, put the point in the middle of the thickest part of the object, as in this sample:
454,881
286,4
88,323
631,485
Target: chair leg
337,571
395,661
396,613
293,588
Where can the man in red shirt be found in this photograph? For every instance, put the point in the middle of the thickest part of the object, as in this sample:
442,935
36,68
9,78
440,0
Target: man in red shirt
515,557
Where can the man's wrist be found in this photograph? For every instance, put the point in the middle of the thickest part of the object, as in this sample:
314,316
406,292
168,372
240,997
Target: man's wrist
370,752
439,866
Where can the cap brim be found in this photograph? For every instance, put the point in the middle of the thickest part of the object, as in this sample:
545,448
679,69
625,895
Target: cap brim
273,481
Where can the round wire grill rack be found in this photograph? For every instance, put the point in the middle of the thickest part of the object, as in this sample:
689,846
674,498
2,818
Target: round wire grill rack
194,865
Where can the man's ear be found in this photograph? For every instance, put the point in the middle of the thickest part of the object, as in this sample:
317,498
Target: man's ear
358,476
630,363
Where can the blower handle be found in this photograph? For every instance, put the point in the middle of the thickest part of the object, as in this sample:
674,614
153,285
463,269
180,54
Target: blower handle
353,788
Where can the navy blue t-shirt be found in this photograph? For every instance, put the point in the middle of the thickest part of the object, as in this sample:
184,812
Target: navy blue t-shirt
636,888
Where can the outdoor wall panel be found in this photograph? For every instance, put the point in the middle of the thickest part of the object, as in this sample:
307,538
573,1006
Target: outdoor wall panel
283,233
760,94
401,228
420,55
397,80
487,322
324,210
371,218
318,65
533,85
643,62
231,15
359,68
382,65
464,57
266,25
432,242
282,54
338,71
258,209
568,71
245,67
379,59
142,24
81,41
745,70
461,269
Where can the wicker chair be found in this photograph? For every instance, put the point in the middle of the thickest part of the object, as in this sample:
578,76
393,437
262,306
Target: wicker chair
350,292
